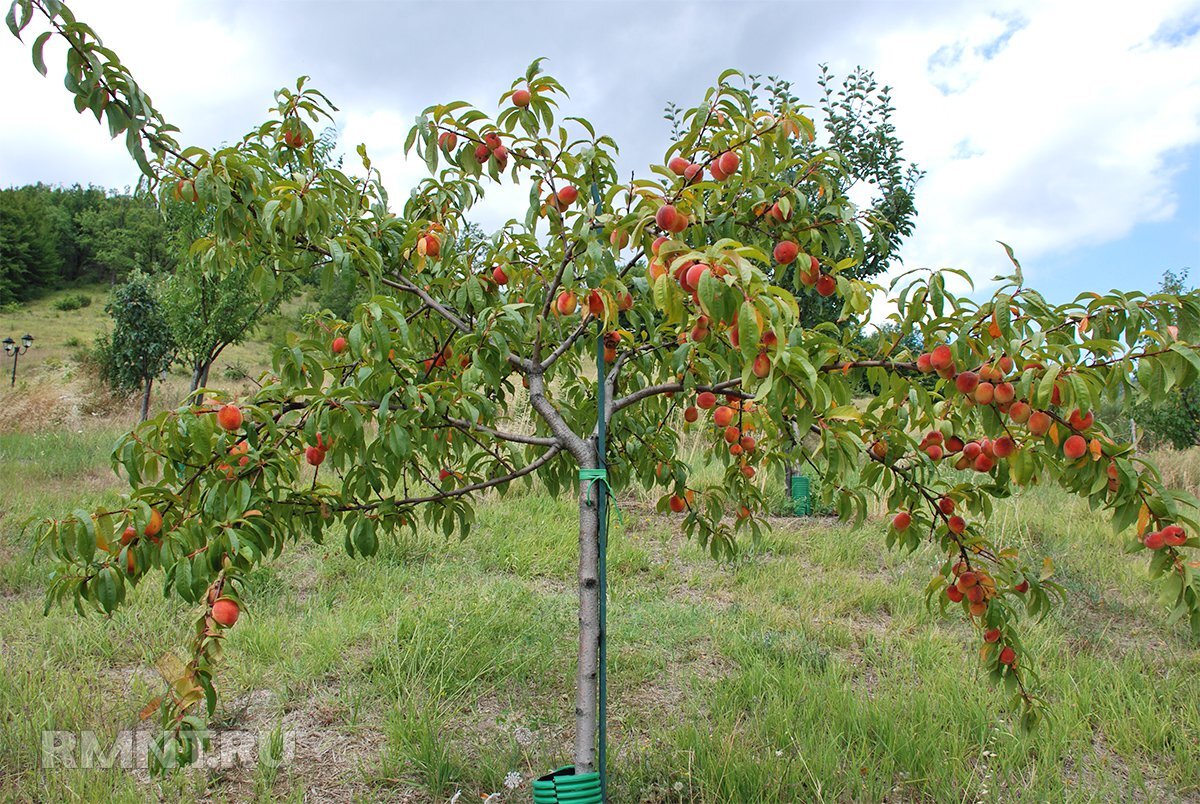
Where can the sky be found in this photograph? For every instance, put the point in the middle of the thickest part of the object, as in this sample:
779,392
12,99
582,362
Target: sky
1069,130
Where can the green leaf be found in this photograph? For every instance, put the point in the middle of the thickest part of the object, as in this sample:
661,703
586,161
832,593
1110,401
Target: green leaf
39,61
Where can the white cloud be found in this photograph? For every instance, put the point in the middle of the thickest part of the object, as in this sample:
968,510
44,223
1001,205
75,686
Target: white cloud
1048,126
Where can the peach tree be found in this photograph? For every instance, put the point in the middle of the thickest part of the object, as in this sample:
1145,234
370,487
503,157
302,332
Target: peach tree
470,369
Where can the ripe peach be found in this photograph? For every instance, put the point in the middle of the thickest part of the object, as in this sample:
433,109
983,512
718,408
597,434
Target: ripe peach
1008,656
448,140
972,450
694,273
732,434
954,444
619,238
225,611
229,417
567,196
924,363
826,285
314,455
1039,423
728,162
810,274
992,635
667,217
941,357
778,215
154,526
1081,421
984,462
521,98
658,243
953,593
946,506
879,449
902,520
1022,587
1154,540
1075,447
762,365
492,140
985,392
1004,446
975,594
723,416
677,165
705,400
339,345
185,190
1020,412
693,173
748,472
566,303
978,609
748,443
433,246
128,535
967,382
934,451
1174,536
956,524
482,153
595,303
785,252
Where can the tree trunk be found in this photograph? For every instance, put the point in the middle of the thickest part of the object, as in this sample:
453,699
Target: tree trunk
199,376
586,704
146,399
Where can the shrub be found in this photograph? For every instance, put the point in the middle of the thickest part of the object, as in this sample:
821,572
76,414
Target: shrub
73,301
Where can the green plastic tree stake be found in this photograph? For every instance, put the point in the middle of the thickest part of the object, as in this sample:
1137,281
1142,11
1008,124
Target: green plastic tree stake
602,516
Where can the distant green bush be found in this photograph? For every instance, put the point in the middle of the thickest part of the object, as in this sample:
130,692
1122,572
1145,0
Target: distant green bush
73,301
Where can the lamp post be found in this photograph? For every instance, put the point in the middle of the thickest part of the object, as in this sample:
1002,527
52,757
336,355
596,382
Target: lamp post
11,348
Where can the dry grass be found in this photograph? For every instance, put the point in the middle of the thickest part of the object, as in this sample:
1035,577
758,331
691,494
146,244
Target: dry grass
1180,468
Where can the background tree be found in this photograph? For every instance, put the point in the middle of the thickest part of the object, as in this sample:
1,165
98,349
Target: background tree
414,407
125,234
29,257
140,346
208,307
1175,419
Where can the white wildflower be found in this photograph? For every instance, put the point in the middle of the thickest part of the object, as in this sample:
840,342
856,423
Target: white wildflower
512,780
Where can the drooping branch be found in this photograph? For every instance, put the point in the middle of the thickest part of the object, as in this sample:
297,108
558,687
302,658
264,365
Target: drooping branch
504,435
723,387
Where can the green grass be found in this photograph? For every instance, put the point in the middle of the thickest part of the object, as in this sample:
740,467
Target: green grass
807,670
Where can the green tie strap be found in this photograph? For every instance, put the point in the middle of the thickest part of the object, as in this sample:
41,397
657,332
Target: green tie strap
597,476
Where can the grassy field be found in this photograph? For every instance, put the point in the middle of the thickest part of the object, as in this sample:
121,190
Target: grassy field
808,670
52,390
